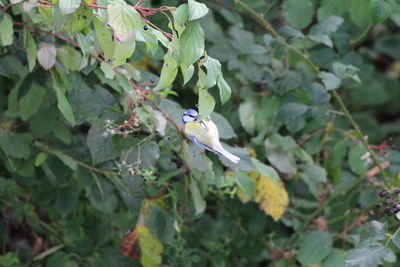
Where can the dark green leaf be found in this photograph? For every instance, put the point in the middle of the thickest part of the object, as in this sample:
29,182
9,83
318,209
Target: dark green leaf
314,248
31,101
191,43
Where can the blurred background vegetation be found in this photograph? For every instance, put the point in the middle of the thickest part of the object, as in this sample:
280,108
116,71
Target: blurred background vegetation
94,170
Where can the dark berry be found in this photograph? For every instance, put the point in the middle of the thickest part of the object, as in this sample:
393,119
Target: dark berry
383,193
396,191
152,81
378,205
145,27
396,210
388,201
389,212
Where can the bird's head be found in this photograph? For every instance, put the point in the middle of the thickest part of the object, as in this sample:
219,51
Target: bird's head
190,115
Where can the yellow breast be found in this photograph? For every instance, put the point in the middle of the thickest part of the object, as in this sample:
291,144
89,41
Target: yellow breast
205,131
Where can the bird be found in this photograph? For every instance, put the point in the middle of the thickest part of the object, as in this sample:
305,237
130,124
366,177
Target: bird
204,133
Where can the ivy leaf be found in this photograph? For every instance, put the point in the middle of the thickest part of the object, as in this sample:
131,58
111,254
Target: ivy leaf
104,37
123,19
6,30
196,10
31,51
224,89
31,101
123,51
314,248
330,80
299,13
191,43
46,55
69,6
168,72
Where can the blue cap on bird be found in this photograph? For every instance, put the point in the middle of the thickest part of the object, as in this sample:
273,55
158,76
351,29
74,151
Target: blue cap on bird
190,115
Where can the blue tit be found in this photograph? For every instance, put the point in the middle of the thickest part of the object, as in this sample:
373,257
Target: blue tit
204,133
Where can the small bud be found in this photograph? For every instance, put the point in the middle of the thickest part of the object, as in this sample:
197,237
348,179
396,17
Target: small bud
383,193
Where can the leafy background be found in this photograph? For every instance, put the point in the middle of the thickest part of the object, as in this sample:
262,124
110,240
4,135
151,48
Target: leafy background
305,92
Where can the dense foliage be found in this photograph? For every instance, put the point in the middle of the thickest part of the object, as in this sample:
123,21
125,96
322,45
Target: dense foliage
305,92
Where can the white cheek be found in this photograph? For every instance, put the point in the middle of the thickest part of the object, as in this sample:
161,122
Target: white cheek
187,118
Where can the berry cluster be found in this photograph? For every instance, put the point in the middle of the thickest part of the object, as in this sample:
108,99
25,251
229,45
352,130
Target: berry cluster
391,202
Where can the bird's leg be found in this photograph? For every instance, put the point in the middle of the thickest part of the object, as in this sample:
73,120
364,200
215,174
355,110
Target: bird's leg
202,122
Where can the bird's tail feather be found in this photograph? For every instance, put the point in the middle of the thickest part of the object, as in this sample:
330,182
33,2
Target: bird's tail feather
228,155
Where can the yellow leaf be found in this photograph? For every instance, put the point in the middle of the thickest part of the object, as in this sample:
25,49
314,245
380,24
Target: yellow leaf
242,195
271,197
150,248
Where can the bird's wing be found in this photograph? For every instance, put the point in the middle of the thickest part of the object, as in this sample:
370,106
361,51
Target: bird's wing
194,139
204,131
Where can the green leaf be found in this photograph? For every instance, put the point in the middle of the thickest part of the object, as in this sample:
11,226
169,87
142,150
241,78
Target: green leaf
335,259
40,159
69,6
160,224
360,13
181,14
46,55
299,13
198,200
123,19
330,80
213,71
247,116
6,30
369,256
329,8
168,72
191,43
314,248
356,159
104,37
206,103
381,10
31,101
224,89
81,18
67,198
187,73
14,145
196,10
88,103
145,156
396,238
123,51
31,52
346,71
224,128
108,70
69,57
245,183
265,170
100,143
63,104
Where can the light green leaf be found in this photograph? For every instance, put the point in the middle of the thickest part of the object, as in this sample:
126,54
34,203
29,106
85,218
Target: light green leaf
14,145
314,248
31,52
181,14
360,13
206,103
330,80
247,116
358,158
46,55
191,43
198,200
346,71
123,51
266,170
299,13
40,159
123,19
108,70
81,18
213,71
245,183
69,57
187,73
168,72
224,128
31,101
63,104
6,30
329,8
69,6
224,89
196,10
104,37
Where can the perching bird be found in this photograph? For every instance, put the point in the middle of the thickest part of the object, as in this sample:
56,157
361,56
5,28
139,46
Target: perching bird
204,133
